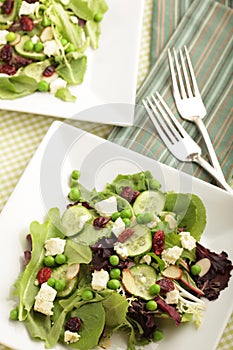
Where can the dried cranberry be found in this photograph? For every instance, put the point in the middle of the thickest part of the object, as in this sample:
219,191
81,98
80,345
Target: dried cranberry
158,242
7,69
7,7
166,285
29,240
26,23
6,53
73,324
31,1
49,71
44,274
100,222
124,235
129,194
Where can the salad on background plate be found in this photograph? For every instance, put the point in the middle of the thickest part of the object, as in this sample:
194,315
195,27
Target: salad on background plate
43,45
127,258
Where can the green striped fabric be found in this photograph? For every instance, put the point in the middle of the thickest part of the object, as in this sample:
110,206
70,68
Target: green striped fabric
206,29
166,17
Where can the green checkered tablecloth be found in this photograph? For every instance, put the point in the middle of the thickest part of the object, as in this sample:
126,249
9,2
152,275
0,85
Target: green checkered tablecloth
20,133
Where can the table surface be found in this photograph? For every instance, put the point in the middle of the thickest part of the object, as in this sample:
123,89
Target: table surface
22,133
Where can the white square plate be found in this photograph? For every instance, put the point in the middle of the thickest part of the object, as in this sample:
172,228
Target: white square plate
44,184
111,75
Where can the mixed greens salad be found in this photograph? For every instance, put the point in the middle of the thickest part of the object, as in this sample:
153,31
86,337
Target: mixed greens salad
43,45
117,260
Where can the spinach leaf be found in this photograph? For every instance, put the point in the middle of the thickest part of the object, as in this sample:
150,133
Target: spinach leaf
92,316
73,70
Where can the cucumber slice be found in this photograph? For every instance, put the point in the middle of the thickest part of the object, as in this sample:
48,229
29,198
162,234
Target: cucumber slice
19,48
139,279
140,242
74,219
149,201
61,273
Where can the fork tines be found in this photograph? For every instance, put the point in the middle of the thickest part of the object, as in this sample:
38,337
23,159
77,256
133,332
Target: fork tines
185,74
163,119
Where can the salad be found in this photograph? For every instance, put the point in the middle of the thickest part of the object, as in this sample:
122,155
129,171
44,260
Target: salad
43,45
117,260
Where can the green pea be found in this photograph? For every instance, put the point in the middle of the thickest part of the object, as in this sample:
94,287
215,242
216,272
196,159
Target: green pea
98,17
114,260
38,47
45,22
153,184
115,216
28,45
43,86
126,213
126,221
115,273
64,41
10,37
154,289
74,194
158,335
14,314
70,48
60,259
49,261
113,284
51,282
195,269
75,174
87,295
60,285
151,305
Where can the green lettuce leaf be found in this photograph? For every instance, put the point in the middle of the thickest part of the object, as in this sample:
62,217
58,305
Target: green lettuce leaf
77,253
190,210
115,307
73,70
86,9
16,86
25,287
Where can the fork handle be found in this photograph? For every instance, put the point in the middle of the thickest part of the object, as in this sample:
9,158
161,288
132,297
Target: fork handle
214,160
212,171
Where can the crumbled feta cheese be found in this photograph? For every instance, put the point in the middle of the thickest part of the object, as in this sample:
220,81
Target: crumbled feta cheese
99,279
44,299
71,337
171,220
57,84
170,255
187,241
43,306
54,246
27,9
51,48
82,220
3,34
46,292
74,19
172,297
153,223
118,227
107,206
35,39
146,259
121,250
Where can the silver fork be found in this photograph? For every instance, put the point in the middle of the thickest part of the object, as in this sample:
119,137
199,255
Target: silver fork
188,99
180,144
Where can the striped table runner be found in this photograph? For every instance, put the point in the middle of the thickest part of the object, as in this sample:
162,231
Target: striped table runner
206,29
